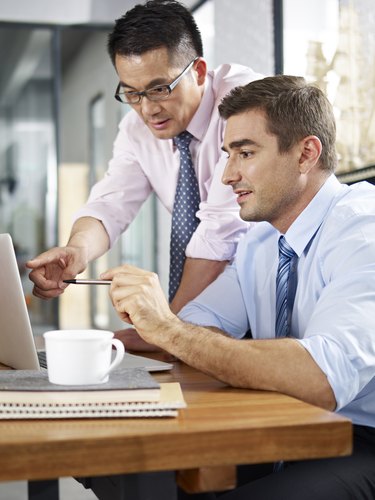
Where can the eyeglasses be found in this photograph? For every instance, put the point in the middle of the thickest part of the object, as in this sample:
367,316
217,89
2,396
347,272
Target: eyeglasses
159,93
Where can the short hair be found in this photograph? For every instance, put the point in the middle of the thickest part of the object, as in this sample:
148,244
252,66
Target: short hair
153,25
294,109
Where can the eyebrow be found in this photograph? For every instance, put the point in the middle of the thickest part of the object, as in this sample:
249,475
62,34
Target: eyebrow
154,83
240,144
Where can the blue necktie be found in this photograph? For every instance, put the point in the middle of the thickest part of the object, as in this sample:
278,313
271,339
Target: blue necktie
186,204
286,281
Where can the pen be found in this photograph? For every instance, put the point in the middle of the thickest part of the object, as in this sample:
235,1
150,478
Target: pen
88,282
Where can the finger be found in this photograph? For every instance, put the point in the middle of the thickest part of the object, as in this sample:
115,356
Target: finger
45,295
121,305
146,279
121,295
124,269
52,256
62,263
41,282
129,295
124,316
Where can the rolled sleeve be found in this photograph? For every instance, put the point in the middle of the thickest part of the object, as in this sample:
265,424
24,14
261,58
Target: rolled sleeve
340,335
342,376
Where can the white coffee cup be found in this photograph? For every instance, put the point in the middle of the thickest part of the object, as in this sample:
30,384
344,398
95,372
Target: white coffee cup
81,357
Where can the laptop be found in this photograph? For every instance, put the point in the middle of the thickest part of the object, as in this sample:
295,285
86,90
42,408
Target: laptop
17,346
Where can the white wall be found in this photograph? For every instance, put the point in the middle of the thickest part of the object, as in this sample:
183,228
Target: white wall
67,11
244,33
88,74
63,12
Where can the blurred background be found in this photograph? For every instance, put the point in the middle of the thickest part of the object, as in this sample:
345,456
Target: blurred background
58,116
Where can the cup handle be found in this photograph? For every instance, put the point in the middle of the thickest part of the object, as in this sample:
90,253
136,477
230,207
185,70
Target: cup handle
120,351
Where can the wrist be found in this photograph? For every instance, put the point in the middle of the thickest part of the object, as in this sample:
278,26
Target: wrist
79,242
168,333
77,256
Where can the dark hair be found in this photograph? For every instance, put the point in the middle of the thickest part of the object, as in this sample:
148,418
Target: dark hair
156,24
294,110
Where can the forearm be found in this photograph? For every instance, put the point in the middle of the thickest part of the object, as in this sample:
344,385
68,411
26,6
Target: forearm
197,275
282,365
90,235
275,365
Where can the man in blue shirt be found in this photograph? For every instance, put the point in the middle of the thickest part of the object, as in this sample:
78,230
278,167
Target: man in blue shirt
309,305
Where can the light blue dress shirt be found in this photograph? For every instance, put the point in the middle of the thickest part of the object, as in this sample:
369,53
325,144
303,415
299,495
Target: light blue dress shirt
334,309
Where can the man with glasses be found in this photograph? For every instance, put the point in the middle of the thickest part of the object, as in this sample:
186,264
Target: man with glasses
170,144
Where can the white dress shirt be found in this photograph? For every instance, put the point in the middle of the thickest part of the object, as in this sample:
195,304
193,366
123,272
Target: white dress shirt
334,309
142,163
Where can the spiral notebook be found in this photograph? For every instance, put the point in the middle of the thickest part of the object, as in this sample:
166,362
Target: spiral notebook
164,400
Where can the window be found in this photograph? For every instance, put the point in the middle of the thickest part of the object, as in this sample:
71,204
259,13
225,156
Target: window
28,152
334,47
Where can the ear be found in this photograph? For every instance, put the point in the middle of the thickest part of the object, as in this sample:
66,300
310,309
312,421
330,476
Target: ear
200,68
311,149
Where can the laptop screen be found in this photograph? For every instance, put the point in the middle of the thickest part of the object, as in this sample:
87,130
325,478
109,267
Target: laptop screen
17,347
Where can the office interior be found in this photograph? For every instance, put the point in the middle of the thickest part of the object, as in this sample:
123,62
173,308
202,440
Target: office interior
58,116
58,120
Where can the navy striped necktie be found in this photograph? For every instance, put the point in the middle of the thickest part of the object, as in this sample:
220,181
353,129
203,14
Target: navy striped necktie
286,282
185,207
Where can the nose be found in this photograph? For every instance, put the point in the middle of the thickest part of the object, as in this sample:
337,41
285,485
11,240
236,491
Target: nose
149,107
231,174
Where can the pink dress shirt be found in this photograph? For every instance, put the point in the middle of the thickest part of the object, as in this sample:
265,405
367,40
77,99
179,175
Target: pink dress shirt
142,163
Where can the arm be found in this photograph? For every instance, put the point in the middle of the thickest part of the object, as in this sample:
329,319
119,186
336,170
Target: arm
89,235
197,275
278,365
281,365
116,199
88,240
113,203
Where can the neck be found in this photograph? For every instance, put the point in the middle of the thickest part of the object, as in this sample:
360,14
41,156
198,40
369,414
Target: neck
302,200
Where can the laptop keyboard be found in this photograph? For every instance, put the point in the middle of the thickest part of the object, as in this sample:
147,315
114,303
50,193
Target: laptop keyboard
42,359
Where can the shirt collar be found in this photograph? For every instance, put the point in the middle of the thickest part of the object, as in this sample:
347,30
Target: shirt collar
202,117
308,222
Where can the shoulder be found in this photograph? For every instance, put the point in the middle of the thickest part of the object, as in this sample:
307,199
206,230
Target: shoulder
349,228
356,201
228,76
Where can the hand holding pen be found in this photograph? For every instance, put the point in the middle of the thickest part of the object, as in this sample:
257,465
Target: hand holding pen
50,268
88,282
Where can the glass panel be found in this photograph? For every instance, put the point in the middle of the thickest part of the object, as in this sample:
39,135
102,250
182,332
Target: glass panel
99,304
27,151
334,47
88,124
138,243
336,50
205,18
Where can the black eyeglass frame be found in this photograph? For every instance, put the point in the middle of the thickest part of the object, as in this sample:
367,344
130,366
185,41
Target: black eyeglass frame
121,96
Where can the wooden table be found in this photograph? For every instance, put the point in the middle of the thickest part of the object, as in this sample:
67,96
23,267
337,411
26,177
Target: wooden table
221,426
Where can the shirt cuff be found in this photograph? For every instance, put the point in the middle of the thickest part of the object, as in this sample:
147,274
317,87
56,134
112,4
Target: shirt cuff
335,363
98,214
211,249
